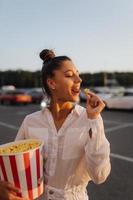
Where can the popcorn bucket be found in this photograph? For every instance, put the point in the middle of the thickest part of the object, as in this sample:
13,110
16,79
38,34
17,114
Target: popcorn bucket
23,169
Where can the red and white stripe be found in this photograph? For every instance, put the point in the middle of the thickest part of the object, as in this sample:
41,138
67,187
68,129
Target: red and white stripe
25,171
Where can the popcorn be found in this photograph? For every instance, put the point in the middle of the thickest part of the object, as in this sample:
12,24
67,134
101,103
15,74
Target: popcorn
21,163
86,90
18,148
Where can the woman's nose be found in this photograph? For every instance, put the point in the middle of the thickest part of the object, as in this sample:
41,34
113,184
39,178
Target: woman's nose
78,79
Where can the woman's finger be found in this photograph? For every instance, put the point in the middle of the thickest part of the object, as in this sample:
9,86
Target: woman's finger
14,197
90,93
9,186
94,101
96,106
13,188
100,107
93,96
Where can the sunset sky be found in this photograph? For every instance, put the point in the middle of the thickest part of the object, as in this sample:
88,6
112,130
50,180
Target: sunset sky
97,35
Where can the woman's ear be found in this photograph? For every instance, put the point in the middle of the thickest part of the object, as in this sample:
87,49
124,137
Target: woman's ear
51,83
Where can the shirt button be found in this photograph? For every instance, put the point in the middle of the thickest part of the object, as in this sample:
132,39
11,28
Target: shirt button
51,192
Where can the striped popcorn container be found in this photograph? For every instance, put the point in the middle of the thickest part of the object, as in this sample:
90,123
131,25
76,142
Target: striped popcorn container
24,169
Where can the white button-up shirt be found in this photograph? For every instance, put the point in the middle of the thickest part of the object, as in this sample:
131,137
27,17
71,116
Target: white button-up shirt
77,153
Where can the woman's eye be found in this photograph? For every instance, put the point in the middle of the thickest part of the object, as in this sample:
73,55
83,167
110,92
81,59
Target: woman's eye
70,75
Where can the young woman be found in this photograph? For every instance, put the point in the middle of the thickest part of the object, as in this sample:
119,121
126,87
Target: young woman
75,144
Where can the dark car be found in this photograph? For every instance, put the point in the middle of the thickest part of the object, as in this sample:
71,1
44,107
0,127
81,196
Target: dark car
82,96
14,97
36,94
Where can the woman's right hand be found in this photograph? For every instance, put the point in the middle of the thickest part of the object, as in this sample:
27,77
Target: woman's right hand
9,192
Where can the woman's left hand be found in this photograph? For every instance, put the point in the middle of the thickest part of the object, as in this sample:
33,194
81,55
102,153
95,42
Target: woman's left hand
94,105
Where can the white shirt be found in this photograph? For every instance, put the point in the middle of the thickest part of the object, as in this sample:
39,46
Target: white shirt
75,154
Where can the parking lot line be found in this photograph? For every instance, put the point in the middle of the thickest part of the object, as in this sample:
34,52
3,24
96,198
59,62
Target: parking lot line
22,113
111,122
9,125
108,130
125,158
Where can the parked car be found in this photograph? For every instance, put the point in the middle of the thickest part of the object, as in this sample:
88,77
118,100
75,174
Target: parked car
102,95
36,94
14,97
8,87
122,101
82,96
109,90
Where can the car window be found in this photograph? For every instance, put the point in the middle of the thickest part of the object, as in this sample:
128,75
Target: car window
128,94
14,92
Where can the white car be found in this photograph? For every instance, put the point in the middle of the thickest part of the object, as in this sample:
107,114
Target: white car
102,95
123,101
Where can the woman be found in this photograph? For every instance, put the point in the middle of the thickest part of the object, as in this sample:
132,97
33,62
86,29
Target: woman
75,144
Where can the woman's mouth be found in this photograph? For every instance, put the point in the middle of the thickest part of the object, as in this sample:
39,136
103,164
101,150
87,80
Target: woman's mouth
75,92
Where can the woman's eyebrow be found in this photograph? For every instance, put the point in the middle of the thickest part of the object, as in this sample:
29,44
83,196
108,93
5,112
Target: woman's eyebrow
69,70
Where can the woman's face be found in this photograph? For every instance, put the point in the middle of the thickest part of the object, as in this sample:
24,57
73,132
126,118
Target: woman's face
66,83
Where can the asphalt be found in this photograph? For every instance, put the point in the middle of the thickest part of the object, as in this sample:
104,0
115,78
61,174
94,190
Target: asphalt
119,131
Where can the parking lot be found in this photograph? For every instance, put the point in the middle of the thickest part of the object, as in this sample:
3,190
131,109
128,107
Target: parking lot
119,131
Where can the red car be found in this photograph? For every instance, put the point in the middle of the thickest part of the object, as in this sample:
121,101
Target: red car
14,97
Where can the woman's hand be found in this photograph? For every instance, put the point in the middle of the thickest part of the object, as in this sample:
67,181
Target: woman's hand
9,192
94,105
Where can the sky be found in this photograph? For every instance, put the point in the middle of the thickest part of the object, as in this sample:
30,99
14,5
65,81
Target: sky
97,35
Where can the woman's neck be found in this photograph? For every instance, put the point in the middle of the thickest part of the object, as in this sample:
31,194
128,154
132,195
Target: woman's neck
60,110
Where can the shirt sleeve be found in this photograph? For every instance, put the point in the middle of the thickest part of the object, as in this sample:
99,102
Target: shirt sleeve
21,134
97,151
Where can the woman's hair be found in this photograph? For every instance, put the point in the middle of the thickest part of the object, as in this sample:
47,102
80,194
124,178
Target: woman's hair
50,63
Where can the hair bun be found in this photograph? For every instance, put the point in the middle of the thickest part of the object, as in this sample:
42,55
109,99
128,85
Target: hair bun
46,55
